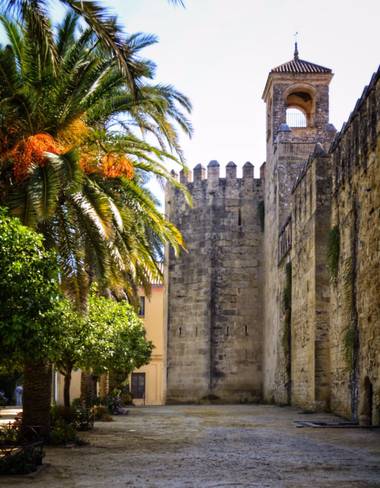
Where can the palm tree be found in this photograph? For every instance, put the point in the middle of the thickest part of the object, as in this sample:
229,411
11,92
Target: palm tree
98,18
72,163
79,104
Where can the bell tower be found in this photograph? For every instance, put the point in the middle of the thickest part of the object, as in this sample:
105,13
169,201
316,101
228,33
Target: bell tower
297,99
297,118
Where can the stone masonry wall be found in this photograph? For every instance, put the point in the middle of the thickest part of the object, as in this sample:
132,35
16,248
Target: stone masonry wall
287,151
355,303
215,289
282,172
311,205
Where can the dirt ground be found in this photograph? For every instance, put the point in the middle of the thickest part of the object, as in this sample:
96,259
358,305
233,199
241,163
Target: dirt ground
213,446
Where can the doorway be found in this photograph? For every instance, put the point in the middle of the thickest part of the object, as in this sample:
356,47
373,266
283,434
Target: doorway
138,386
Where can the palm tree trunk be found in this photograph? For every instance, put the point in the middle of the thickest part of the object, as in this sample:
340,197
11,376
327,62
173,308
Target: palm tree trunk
36,399
66,388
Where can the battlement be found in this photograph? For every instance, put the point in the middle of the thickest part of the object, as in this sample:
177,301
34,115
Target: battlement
212,174
359,135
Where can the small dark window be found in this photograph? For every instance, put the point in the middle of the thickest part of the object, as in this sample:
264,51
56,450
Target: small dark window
239,217
142,307
180,331
246,330
138,385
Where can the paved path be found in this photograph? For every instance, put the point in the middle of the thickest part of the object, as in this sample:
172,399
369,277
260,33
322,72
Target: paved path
213,446
7,414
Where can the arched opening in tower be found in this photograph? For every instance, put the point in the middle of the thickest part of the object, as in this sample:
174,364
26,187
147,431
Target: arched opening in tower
295,118
300,109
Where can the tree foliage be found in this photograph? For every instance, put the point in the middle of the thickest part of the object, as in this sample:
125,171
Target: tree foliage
110,337
118,341
105,26
29,295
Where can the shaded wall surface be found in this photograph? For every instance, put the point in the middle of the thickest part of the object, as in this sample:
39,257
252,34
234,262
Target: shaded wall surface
355,292
214,290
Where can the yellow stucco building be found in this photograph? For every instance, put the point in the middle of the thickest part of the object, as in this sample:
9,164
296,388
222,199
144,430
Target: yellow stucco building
147,384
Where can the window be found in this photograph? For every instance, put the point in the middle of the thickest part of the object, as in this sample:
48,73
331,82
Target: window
142,307
295,118
300,103
138,385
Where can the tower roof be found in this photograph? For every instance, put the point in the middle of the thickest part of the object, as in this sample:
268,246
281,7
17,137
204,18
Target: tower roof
297,65
300,66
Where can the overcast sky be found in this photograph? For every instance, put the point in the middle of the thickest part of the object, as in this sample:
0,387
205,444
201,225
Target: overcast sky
219,52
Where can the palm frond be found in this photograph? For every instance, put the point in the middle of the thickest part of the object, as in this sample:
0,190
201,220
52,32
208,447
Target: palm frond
107,30
34,13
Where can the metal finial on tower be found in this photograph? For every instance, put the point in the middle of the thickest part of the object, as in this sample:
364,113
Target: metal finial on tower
296,47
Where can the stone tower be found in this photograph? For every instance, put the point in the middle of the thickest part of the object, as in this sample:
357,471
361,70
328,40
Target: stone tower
277,296
297,100
214,342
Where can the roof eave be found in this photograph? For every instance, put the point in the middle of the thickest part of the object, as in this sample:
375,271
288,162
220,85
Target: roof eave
274,74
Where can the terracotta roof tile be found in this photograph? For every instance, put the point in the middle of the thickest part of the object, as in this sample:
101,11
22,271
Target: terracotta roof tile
300,66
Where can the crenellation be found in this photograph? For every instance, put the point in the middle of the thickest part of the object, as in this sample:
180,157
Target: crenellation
185,176
199,173
231,171
358,136
213,175
248,170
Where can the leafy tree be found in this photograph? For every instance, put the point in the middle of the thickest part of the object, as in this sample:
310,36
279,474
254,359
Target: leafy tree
110,337
122,344
69,353
67,171
29,312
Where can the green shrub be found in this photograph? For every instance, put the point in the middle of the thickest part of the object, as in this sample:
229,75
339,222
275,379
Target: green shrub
100,411
65,422
59,412
126,398
10,433
63,433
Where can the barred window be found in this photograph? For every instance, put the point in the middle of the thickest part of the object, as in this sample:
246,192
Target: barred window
295,118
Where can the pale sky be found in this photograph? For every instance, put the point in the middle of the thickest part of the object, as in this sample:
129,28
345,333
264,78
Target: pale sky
219,53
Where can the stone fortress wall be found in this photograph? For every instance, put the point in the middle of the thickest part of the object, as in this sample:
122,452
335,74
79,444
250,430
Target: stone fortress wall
305,279
215,288
355,292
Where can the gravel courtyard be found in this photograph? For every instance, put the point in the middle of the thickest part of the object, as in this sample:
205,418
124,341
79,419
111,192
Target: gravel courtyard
213,446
